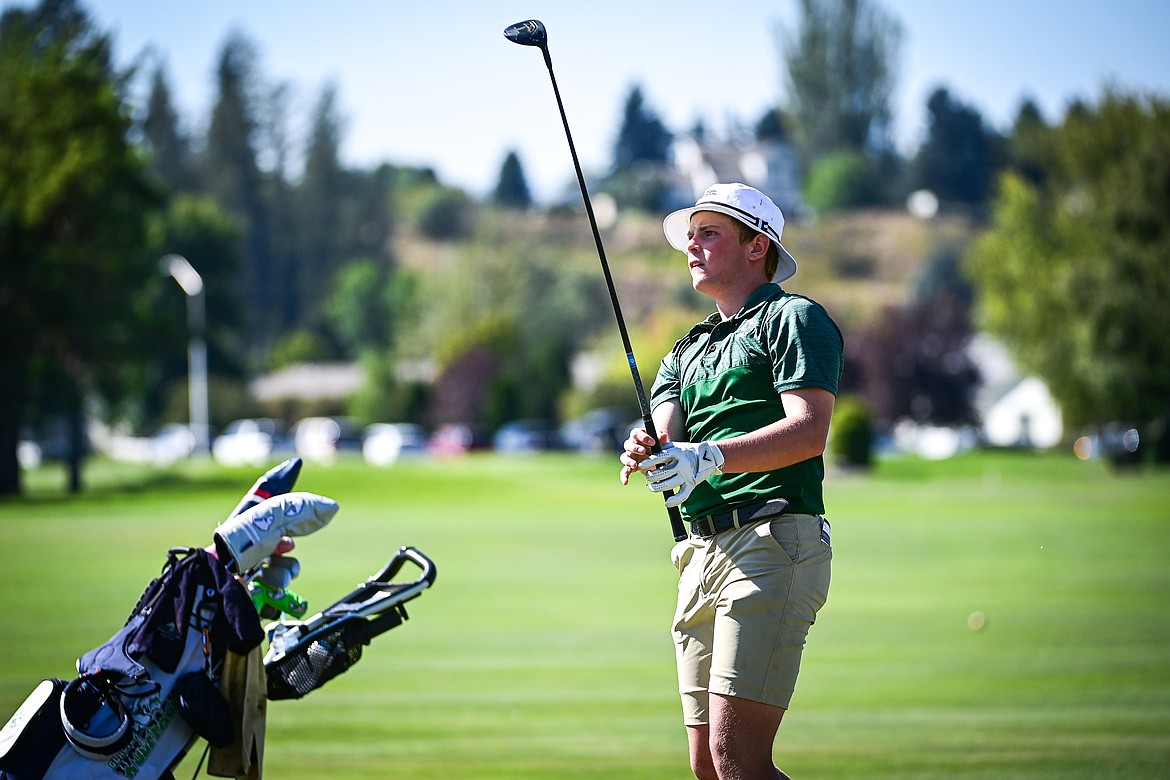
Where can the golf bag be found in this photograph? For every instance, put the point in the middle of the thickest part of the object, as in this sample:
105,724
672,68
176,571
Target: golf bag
142,698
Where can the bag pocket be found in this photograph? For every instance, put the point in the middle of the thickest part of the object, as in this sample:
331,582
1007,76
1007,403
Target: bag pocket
205,709
32,737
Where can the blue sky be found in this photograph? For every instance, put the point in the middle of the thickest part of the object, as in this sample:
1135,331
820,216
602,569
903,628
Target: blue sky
437,84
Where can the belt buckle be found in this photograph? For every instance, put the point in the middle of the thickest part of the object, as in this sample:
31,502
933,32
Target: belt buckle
703,527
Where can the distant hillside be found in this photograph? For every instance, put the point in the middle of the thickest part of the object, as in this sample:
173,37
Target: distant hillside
855,263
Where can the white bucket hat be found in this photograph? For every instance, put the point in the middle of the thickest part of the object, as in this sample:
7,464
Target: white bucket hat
747,204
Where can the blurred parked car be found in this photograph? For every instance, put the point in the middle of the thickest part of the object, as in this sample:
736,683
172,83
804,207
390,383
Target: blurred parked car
597,431
526,436
28,454
250,442
50,440
322,439
384,443
456,439
172,442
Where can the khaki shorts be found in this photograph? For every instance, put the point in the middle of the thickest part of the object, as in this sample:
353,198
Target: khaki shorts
746,599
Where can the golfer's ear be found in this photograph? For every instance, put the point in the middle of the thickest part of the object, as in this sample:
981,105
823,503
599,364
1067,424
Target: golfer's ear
759,246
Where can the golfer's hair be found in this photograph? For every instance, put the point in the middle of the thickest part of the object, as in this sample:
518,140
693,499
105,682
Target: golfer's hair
772,261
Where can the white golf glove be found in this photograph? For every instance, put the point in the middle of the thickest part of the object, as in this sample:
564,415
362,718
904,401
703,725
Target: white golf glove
251,536
681,465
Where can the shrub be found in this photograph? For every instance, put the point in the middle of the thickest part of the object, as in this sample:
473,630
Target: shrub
843,180
851,435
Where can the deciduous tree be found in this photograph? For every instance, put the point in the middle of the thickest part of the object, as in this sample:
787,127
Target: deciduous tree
1074,274
841,61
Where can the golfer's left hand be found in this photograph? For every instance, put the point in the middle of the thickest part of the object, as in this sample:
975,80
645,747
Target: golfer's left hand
680,466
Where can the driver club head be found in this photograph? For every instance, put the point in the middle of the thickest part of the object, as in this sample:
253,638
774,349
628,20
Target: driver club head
529,33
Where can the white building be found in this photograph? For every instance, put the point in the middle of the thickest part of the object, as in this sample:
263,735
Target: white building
1016,410
1026,416
769,166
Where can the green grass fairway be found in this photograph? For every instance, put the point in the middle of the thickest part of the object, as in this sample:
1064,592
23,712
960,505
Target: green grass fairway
543,649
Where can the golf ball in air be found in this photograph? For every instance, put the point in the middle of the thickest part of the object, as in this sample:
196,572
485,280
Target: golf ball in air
976,621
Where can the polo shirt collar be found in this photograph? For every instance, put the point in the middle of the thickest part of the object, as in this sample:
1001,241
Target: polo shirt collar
764,293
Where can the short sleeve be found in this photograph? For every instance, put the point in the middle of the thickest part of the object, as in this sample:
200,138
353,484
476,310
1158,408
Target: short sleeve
667,384
806,347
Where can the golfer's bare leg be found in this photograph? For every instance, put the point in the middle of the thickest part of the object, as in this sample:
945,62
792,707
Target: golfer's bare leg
738,743
701,762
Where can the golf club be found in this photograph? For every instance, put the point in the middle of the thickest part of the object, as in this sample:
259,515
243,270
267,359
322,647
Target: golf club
533,33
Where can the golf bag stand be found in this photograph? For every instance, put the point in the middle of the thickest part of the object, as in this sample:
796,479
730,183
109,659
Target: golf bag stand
304,655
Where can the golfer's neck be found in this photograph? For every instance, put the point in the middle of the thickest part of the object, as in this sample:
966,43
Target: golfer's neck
730,300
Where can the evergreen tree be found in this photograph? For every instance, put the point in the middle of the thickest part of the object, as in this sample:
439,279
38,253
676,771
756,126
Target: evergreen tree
643,138
640,178
1028,152
368,215
232,176
320,199
956,161
512,188
170,150
771,126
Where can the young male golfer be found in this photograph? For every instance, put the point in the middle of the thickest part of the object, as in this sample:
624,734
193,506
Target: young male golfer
742,403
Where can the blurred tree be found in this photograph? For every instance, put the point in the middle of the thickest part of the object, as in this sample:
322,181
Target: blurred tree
171,158
73,203
470,382
840,61
843,180
912,363
366,217
231,175
942,274
320,197
851,437
446,214
698,130
772,126
370,319
1074,274
637,178
359,308
285,305
642,136
338,216
956,162
299,345
1028,152
192,226
512,188
500,323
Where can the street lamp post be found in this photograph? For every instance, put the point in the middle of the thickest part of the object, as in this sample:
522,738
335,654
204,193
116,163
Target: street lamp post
192,283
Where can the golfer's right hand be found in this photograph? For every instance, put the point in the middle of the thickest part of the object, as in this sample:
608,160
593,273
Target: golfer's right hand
635,450
248,538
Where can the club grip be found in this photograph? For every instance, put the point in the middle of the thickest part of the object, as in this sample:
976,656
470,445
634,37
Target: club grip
676,522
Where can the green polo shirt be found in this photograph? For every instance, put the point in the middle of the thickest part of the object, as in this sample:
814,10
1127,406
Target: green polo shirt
728,376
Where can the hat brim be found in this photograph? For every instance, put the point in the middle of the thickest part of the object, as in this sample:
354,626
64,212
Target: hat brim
678,223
